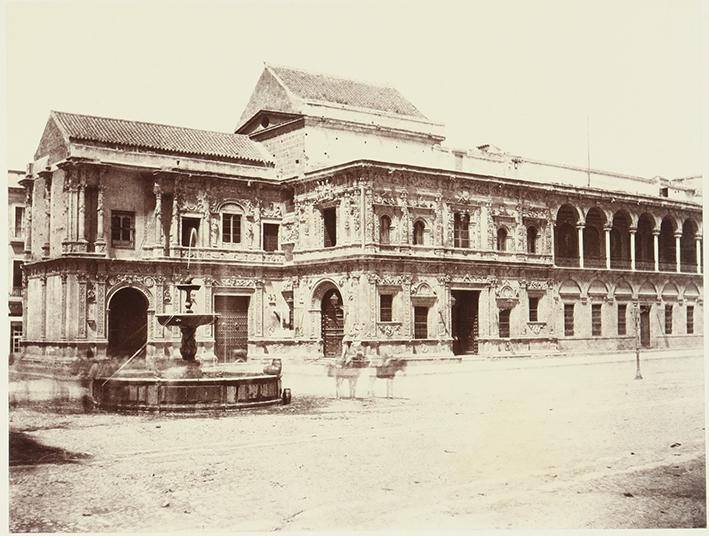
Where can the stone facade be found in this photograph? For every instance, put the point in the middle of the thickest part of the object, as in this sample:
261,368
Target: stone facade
300,254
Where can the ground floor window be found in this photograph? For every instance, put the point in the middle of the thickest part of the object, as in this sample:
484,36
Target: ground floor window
596,320
622,310
15,337
690,319
420,322
533,309
568,319
668,319
505,324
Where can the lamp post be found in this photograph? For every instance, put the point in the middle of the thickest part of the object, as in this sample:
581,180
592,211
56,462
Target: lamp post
636,309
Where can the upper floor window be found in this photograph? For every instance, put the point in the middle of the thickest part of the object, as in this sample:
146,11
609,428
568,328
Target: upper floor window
190,231
17,274
231,228
329,216
533,308
461,236
19,229
384,229
419,229
270,236
385,307
531,239
502,239
122,229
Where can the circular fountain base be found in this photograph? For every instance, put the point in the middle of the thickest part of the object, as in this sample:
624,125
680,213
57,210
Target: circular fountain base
187,394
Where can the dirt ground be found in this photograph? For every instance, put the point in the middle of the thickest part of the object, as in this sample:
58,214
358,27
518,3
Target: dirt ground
486,444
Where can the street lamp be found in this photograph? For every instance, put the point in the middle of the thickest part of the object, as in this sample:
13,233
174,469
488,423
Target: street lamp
636,309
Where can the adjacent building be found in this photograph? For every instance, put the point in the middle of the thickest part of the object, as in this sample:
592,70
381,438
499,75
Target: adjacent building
16,255
335,212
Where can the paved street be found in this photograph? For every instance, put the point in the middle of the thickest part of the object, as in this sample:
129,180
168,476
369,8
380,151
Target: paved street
544,443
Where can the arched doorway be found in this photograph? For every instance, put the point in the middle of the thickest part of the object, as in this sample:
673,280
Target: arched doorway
332,323
127,322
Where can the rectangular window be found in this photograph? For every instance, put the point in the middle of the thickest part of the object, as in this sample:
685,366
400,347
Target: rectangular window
690,319
533,309
505,324
668,319
385,305
19,230
329,216
190,231
122,229
420,322
569,319
17,274
270,236
15,337
231,228
596,319
461,238
622,309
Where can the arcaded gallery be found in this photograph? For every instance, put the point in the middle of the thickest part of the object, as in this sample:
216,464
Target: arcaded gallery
335,213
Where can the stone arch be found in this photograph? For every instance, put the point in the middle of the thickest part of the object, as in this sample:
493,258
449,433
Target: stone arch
691,292
320,288
594,237
570,288
566,246
128,320
502,238
328,316
597,289
644,242
647,291
420,229
623,290
621,222
670,291
688,247
667,244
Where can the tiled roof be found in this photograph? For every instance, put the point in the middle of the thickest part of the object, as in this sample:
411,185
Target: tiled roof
324,88
161,138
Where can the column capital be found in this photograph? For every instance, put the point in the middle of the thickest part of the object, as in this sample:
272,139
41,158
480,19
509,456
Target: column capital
632,230
655,232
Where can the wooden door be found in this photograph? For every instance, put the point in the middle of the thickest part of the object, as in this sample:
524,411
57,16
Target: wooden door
231,330
332,323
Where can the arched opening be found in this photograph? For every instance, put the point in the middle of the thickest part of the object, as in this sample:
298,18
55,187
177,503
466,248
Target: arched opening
566,247
620,241
532,239
644,246
127,322
502,239
688,246
384,229
332,323
419,229
594,253
667,248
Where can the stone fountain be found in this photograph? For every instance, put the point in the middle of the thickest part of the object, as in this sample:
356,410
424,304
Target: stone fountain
186,387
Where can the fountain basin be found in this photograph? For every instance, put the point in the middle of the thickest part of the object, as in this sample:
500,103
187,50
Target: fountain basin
187,394
190,320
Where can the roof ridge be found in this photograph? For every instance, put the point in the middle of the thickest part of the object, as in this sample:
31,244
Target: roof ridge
335,76
59,113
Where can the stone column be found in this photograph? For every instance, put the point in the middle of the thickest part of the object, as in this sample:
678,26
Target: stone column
82,216
100,246
27,183
656,249
608,247
580,232
47,176
82,305
174,224
157,191
632,232
552,231
63,306
43,299
678,267
698,242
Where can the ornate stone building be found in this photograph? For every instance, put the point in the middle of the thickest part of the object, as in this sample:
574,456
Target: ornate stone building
335,212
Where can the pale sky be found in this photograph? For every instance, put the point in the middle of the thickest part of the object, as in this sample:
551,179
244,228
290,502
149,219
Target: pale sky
522,75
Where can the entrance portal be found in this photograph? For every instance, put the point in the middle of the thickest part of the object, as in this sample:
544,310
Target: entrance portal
464,320
231,329
645,326
127,322
332,323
